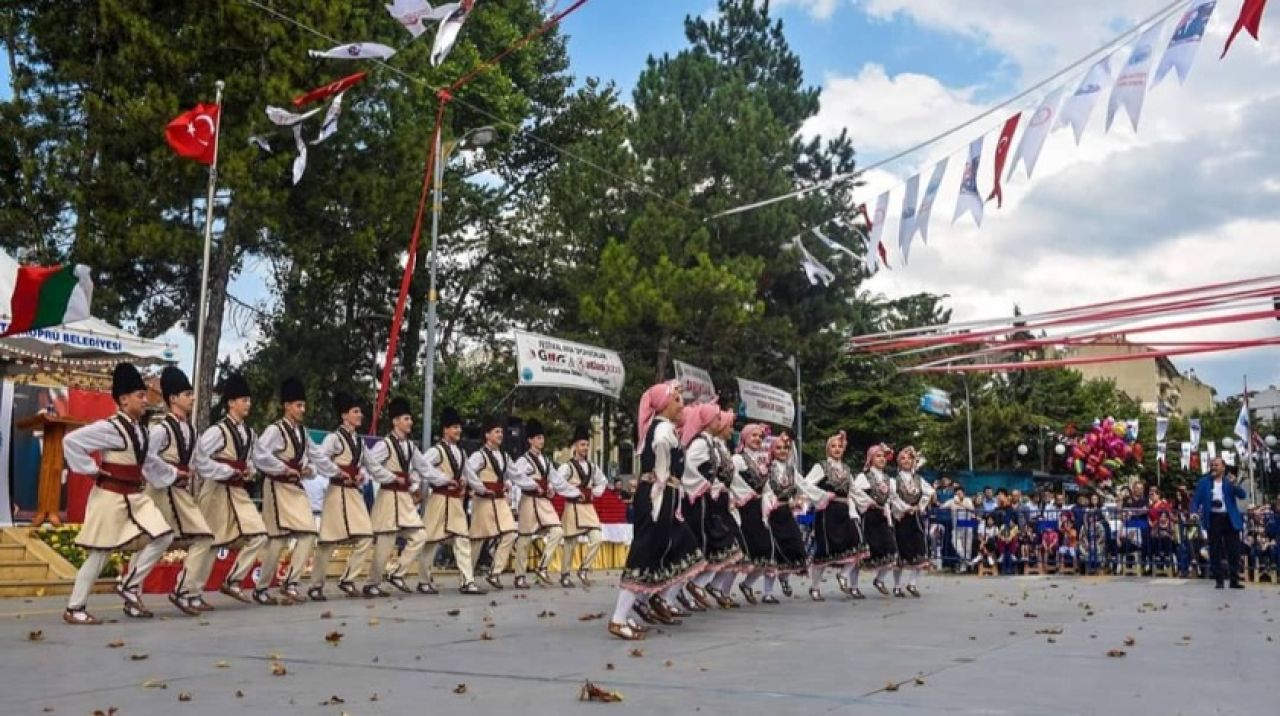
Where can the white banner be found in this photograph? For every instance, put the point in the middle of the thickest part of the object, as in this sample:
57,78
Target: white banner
555,363
695,383
1185,41
767,403
1213,450
1195,433
907,226
970,201
1131,85
1162,428
930,193
6,433
1160,453
1076,110
875,259
1186,456
1204,461
356,51
1229,457
1034,135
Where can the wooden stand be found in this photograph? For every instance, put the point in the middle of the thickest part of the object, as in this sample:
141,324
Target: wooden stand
49,491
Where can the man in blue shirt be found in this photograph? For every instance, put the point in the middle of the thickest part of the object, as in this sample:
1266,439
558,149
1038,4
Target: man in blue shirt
1215,502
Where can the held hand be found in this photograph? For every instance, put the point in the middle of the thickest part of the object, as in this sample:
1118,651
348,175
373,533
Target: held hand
307,471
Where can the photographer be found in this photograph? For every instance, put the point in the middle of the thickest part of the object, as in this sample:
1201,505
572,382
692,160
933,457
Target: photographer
1215,502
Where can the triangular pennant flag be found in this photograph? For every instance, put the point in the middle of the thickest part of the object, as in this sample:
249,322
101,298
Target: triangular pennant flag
416,15
1250,19
300,161
930,194
1076,110
327,91
447,35
813,269
1186,40
907,226
1131,84
1002,153
831,244
970,201
330,125
285,118
1037,130
875,247
356,51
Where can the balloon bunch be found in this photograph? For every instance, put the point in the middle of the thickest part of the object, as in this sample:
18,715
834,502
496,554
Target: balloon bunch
1097,455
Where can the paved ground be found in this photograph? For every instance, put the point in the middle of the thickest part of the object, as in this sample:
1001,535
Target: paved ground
974,644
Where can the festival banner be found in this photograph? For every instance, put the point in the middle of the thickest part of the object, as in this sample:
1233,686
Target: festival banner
907,226
767,403
695,383
1229,457
1195,433
1076,110
1034,135
970,201
1131,429
1186,40
876,256
936,401
1131,85
1186,456
544,361
1204,460
930,193
1161,453
1212,450
813,269
1002,153
1162,427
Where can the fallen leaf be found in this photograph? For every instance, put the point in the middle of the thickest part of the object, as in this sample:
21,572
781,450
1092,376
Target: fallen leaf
333,637
1186,637
275,656
375,659
545,614
222,665
609,666
333,701
1052,640
239,694
493,602
891,686
373,621
486,636
111,711
460,689
374,697
591,616
326,615
919,681
1049,630
37,635
1129,641
115,644
47,709
973,637
667,663
591,692
454,612
1115,653
277,669
636,653
154,684
140,656
184,695
1030,615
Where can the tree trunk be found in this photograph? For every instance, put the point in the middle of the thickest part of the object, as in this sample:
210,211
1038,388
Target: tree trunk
219,277
664,352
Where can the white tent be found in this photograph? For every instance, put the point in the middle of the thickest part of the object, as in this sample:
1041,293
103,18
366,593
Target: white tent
85,342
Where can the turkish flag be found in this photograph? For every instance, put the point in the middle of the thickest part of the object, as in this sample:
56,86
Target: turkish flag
1250,19
1002,153
193,134
334,87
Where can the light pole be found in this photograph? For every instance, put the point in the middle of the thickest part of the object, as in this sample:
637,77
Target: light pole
473,139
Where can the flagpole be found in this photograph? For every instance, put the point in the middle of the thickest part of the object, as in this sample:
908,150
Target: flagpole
1248,440
208,242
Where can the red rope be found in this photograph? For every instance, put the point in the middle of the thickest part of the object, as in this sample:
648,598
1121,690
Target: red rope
1082,360
492,61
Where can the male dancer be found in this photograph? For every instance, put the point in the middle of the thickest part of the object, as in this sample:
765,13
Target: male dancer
449,476
119,515
170,445
490,510
286,456
397,466
222,462
345,519
538,516
580,482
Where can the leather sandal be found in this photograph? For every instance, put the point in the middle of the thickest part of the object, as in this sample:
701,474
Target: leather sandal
645,612
316,594
426,588
855,593
470,588
786,585
583,577
236,592
398,582
625,632
494,581
911,589
748,594
136,610
79,617
879,585
816,595
349,589
183,604
686,606
699,595
769,599
567,582
521,582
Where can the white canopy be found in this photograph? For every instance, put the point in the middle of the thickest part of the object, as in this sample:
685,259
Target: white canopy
87,340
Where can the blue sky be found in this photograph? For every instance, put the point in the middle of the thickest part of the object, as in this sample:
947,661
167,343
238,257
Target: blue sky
1189,199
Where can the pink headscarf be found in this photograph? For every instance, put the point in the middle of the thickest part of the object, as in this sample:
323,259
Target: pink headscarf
747,431
696,419
653,401
837,438
876,450
726,419
912,451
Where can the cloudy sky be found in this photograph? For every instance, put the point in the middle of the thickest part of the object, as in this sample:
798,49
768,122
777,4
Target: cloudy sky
1192,198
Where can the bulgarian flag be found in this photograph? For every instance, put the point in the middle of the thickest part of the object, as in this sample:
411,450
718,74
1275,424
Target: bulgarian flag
34,297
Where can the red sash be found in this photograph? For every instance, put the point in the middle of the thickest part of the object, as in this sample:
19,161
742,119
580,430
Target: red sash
120,479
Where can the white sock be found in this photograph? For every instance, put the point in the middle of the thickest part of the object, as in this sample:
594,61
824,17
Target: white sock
881,572
850,573
86,576
705,578
913,576
897,577
854,575
815,575
750,580
672,591
622,609
769,581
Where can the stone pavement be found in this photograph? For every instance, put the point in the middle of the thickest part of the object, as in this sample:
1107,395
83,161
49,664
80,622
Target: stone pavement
988,646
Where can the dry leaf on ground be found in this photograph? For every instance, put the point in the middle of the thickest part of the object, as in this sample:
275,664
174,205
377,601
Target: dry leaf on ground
460,689
591,692
37,635
277,669
184,695
115,644
1116,653
333,637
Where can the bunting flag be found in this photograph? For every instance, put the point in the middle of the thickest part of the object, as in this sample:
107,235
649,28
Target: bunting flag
330,126
1213,451
1162,454
1185,42
1250,19
321,93
1131,84
193,133
356,51
415,15
260,142
1186,456
907,226
1195,433
1229,457
813,269
970,201
300,161
450,26
831,244
930,193
1162,427
1203,463
876,255
1076,110
1034,135
1242,430
1002,153
285,118
1131,429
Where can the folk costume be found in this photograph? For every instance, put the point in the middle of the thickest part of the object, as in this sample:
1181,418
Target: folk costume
119,515
580,484
285,455
706,507
449,478
222,462
491,517
537,516
396,464
872,491
910,503
837,527
344,520
747,491
171,444
721,506
789,554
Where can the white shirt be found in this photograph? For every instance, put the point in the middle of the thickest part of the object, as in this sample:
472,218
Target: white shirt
506,467
436,476
159,473
381,452
1217,497
333,445
695,455
531,467
595,479
272,440
80,444
212,442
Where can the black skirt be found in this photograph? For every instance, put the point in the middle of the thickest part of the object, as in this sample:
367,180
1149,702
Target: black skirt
789,554
881,541
756,540
837,536
711,523
664,551
913,545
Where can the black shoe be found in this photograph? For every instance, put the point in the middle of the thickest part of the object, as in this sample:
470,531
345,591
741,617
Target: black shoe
1237,585
769,599
521,583
398,582
879,585
349,589
583,576
786,586
911,589
566,581
494,581
316,594
264,598
1218,585
372,590
897,592
855,593
748,593
427,588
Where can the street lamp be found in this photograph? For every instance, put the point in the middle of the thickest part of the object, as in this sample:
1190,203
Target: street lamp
1271,441
473,139
1228,443
1023,450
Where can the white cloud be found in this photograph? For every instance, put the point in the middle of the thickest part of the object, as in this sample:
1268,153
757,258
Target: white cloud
817,9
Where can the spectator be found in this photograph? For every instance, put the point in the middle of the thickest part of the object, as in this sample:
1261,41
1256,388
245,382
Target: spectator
1164,540
1068,541
988,500
1050,540
1018,507
988,545
1216,499
626,493
960,510
943,488
1028,543
1007,544
1272,532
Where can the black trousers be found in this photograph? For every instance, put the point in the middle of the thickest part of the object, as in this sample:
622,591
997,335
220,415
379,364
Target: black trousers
1224,542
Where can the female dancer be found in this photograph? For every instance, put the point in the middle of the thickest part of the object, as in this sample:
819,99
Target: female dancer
910,502
837,528
789,554
707,508
663,555
721,506
871,492
747,491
